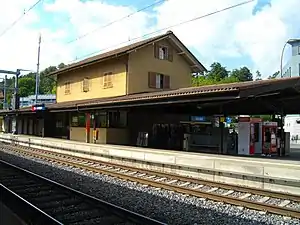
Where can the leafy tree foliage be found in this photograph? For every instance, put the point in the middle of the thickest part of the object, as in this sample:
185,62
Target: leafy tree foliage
258,75
218,74
27,83
274,75
243,74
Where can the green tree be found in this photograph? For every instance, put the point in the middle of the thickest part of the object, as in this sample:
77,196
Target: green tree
61,65
274,75
243,74
217,72
258,75
47,82
26,86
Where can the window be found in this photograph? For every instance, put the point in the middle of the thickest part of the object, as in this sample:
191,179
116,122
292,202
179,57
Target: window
163,52
299,69
101,119
113,119
117,119
85,85
158,81
107,80
67,88
78,120
298,50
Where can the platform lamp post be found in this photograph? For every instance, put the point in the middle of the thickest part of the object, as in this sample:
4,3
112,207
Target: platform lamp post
282,52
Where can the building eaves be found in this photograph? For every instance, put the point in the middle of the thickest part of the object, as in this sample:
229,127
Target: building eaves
184,92
243,89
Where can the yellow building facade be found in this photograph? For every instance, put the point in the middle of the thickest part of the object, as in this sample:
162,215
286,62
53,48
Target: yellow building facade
155,64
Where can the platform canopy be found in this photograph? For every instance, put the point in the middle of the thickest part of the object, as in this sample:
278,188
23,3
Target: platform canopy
277,96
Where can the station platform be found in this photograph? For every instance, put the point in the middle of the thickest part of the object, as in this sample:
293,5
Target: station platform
266,173
7,217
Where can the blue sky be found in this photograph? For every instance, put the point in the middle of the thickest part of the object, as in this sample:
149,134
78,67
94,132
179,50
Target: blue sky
242,36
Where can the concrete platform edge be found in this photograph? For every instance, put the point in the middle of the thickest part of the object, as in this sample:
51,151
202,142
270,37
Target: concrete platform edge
276,176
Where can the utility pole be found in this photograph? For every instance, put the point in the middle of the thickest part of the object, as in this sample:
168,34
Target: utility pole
37,75
16,100
5,93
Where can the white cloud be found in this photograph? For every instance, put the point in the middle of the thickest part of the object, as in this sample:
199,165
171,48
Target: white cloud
230,34
235,32
263,36
92,16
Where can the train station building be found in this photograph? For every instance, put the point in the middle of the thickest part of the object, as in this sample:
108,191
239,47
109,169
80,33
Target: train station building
141,95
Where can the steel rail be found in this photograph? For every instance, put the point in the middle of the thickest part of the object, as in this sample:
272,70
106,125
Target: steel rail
239,188
23,208
198,193
114,209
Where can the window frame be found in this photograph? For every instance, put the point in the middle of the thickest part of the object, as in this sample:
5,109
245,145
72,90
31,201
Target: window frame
111,119
168,53
107,83
162,81
85,84
77,119
67,87
165,54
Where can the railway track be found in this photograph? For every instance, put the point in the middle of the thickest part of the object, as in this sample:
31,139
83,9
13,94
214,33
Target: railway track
55,203
257,199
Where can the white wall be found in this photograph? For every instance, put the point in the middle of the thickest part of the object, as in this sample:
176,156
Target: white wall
291,125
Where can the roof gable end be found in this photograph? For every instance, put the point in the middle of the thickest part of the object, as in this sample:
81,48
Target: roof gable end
197,66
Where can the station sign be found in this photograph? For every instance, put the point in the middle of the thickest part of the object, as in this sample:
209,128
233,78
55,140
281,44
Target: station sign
40,107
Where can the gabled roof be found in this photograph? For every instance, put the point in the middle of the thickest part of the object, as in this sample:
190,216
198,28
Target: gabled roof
194,62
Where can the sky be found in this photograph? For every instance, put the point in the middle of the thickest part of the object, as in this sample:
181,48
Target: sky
251,35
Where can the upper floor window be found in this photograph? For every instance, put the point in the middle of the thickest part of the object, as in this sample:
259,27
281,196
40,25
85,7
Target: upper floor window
85,85
67,88
163,52
107,80
158,81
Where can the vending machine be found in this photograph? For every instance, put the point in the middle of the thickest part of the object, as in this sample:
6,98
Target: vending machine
269,135
249,135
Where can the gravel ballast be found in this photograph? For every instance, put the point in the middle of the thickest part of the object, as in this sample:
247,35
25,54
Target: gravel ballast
166,206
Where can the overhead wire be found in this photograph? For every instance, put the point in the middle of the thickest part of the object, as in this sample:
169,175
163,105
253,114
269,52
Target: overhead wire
117,20
165,28
110,23
20,18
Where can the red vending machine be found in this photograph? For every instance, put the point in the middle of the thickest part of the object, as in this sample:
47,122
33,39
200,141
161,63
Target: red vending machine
269,138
